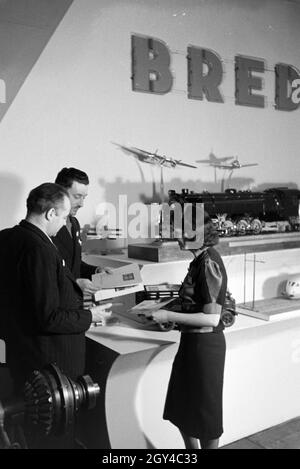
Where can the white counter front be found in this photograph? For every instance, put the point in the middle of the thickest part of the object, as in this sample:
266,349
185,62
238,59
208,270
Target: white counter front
261,385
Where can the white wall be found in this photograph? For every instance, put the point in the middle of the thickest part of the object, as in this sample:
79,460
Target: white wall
78,99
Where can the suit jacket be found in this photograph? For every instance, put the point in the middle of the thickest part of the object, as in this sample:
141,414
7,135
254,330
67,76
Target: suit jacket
42,317
70,250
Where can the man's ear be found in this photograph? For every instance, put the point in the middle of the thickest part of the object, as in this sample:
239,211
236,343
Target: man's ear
50,213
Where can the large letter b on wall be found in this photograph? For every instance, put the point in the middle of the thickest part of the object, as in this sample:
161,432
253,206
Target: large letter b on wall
150,65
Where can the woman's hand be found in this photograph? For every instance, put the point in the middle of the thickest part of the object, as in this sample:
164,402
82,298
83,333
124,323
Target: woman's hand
161,316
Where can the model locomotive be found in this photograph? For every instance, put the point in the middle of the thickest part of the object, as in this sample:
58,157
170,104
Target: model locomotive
246,212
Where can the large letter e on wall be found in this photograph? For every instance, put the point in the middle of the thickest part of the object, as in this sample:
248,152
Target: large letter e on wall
245,82
150,65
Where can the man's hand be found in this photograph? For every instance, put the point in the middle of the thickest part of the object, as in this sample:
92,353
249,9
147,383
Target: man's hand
86,286
100,313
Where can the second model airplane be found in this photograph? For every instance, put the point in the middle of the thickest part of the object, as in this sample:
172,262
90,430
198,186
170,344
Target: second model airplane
235,164
213,159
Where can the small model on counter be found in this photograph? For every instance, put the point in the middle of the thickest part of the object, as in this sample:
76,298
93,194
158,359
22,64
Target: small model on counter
292,288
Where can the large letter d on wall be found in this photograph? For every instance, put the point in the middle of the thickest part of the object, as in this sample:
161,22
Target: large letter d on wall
150,65
287,76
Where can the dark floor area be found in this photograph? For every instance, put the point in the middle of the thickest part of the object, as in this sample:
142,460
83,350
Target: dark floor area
283,436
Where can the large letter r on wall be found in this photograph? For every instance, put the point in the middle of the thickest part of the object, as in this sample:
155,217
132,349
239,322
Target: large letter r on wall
201,83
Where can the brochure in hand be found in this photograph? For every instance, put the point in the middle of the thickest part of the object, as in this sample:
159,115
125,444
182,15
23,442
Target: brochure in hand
121,277
140,315
149,306
109,293
119,282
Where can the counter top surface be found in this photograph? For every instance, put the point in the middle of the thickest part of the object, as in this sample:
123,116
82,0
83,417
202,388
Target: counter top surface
124,339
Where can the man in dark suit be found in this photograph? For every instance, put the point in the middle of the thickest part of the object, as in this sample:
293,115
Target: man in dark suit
68,239
42,317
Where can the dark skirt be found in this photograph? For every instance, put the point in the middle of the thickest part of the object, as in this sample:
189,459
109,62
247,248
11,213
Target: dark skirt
194,397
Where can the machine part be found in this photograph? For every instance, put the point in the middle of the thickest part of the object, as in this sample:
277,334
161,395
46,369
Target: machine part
49,406
38,399
52,399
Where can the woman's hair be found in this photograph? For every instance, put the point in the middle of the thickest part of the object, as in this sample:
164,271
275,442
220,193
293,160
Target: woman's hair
211,235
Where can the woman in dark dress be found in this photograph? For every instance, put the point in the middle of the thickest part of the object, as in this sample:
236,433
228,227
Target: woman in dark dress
194,397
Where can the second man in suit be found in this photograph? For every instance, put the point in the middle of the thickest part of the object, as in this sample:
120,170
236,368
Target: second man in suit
68,239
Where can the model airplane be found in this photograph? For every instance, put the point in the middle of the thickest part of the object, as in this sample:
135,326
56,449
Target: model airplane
212,159
153,158
235,164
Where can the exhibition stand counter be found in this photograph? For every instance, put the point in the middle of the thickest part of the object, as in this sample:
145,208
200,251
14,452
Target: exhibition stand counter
262,371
